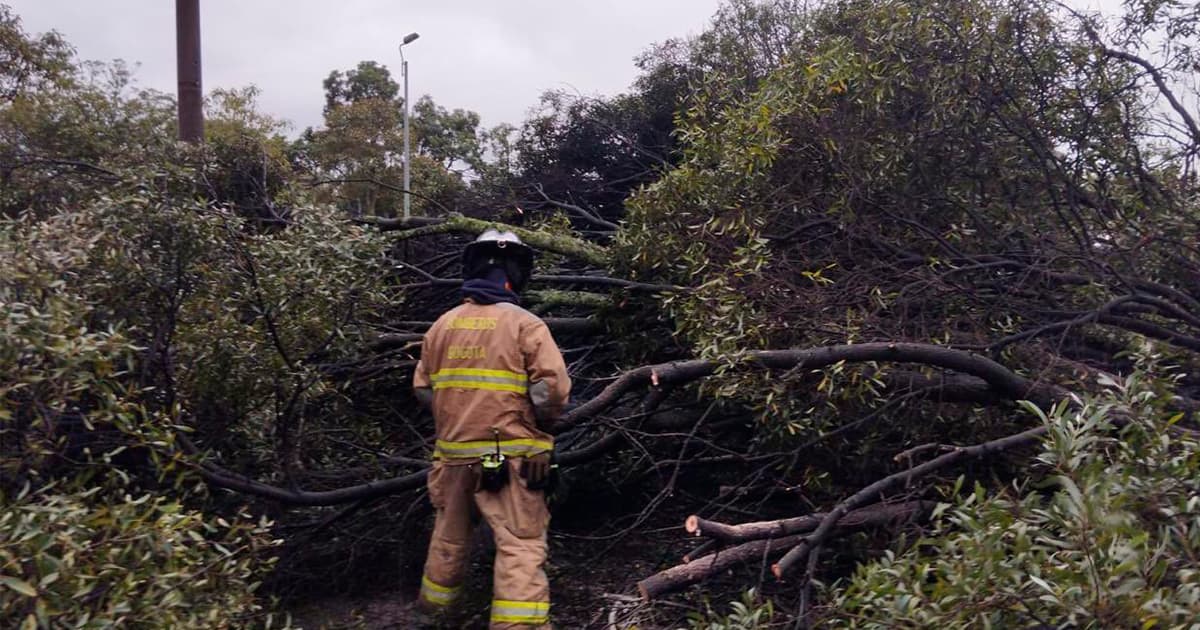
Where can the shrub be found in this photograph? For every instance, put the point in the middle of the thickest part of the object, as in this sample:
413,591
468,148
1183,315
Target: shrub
93,560
1108,537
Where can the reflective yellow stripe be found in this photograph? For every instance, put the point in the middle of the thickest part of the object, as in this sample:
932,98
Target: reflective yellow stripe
496,387
434,586
519,447
479,378
520,612
504,374
435,593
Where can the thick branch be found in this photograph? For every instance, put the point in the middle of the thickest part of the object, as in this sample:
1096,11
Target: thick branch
591,218
746,532
603,281
1085,318
550,297
75,164
1159,81
557,243
222,478
1149,329
389,225
608,282
1000,379
873,491
386,186
947,388
684,575
558,325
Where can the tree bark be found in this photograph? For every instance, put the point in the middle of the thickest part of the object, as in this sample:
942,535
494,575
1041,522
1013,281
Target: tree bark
766,547
746,532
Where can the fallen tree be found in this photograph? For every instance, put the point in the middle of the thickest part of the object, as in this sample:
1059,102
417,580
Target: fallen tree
1002,382
899,223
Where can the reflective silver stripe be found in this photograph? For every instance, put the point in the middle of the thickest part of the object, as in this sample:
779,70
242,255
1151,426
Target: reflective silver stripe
459,373
493,387
539,394
435,593
520,612
437,382
480,378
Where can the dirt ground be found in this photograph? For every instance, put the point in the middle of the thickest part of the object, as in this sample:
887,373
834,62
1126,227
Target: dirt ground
592,587
593,574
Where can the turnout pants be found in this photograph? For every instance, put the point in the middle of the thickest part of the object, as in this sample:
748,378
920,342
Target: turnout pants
518,517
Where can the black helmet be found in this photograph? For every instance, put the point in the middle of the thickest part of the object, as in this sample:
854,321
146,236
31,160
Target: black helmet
505,250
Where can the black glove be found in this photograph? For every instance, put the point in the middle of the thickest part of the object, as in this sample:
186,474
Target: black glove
536,470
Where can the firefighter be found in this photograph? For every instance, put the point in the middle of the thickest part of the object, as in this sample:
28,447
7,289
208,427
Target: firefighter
495,380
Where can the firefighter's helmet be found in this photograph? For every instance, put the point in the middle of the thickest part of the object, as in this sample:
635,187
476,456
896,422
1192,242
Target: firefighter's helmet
505,250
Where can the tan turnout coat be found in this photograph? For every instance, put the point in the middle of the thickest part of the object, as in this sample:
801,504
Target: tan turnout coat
505,372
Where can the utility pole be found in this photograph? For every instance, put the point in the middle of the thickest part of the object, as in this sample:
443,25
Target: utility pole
187,52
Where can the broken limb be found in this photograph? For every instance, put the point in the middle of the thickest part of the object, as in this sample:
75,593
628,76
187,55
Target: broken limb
587,216
457,224
830,521
682,576
746,532
998,378
661,377
557,325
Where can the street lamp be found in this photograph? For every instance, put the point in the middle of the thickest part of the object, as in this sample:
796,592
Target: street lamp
408,39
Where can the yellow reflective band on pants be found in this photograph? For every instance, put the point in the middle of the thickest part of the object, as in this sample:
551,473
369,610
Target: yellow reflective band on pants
504,610
521,447
435,593
476,378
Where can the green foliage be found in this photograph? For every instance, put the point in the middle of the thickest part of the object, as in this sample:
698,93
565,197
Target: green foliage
145,316
59,141
361,141
89,560
827,173
247,158
87,124
64,377
592,152
878,149
278,306
359,153
750,613
446,136
29,63
367,81
89,423
1106,538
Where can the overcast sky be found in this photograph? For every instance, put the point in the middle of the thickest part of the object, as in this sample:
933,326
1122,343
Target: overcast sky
494,57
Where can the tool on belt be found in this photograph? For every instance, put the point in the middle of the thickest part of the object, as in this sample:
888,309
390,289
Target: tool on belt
495,472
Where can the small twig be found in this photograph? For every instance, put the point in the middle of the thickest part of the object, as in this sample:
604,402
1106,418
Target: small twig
580,212
917,450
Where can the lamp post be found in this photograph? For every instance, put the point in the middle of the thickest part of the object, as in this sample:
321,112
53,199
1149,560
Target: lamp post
408,39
